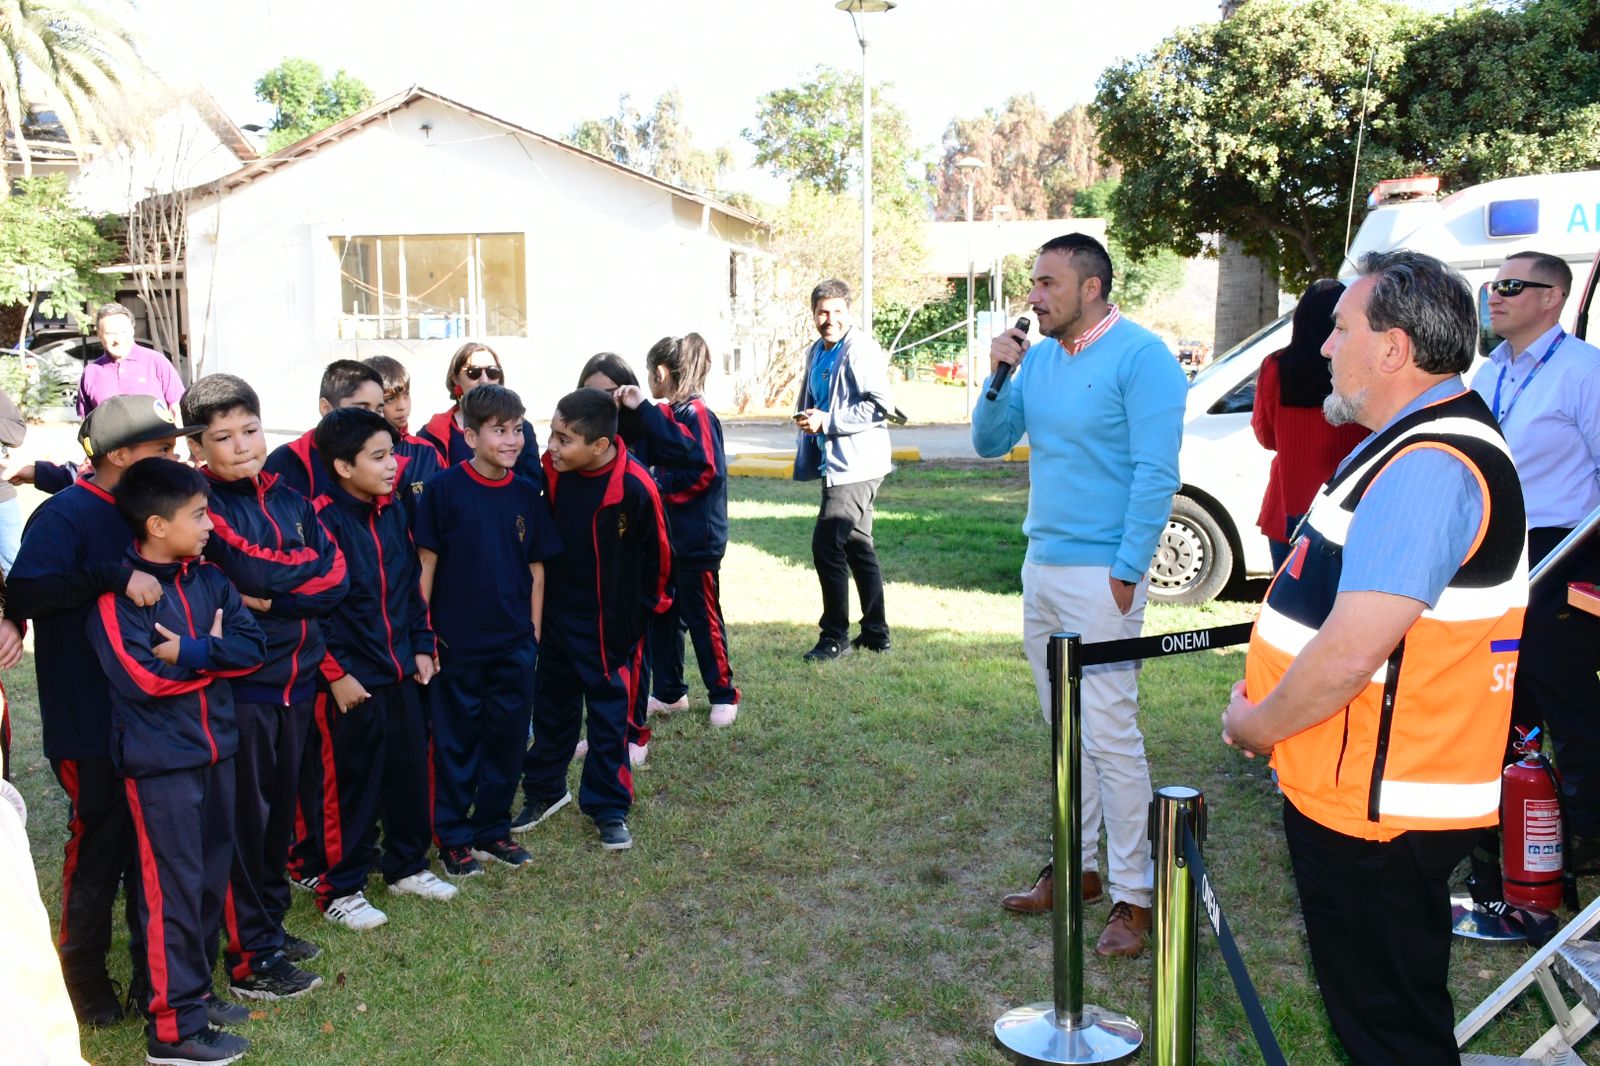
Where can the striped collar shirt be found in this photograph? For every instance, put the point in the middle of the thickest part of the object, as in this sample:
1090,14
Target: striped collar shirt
1095,332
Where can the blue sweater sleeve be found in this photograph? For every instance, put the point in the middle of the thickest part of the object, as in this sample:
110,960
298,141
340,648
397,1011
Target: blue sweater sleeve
1155,391
998,424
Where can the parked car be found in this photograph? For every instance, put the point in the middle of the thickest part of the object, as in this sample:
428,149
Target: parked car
1211,538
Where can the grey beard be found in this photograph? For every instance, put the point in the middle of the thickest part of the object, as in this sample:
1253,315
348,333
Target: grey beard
1343,410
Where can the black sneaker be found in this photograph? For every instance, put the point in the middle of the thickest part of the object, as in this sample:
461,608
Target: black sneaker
533,813
880,645
505,851
96,1001
458,862
614,835
208,1047
827,648
297,950
220,1012
282,980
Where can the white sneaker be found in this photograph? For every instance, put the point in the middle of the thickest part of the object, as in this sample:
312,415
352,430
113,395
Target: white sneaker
309,884
655,706
424,884
638,755
723,714
354,912
581,750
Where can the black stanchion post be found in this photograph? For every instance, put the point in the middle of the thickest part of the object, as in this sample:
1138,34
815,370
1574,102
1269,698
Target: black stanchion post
1177,809
1067,1031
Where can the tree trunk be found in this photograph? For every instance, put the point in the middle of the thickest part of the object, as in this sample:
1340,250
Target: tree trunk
1247,295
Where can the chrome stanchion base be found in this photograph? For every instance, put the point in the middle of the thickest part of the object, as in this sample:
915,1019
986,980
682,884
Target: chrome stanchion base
1470,923
1032,1035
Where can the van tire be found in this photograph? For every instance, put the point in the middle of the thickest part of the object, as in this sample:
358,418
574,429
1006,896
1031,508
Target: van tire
1194,558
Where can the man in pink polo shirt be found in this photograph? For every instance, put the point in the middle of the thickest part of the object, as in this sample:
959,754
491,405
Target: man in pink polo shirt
127,369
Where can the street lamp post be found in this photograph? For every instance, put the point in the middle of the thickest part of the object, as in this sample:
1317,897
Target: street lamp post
969,167
853,8
997,288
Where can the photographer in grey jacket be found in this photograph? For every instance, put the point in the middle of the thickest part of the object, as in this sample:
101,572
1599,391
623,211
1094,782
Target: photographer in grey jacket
843,413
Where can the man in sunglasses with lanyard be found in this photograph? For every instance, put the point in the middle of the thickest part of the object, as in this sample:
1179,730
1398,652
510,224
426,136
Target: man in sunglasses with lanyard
1543,386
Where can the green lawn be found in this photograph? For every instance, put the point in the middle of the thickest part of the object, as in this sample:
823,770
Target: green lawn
819,882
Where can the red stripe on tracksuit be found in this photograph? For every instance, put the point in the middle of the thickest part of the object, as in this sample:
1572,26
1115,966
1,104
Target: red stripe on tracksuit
155,934
69,865
719,634
332,839
230,920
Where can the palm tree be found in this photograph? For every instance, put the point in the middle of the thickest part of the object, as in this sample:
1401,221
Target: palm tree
75,56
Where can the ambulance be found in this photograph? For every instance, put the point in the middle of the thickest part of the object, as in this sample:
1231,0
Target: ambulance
1211,540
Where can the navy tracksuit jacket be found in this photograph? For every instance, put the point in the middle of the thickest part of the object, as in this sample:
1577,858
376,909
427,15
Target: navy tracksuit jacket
371,761
72,552
173,738
595,657
695,492
270,543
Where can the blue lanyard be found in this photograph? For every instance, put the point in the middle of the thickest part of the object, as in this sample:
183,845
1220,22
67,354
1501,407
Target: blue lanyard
1543,359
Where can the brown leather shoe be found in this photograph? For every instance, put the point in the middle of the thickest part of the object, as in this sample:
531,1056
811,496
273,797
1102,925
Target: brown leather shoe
1040,899
1125,930
1036,900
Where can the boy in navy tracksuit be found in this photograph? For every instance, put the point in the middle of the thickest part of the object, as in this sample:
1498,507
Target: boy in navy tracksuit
610,578
73,550
695,489
270,544
173,738
348,383
483,533
373,751
421,456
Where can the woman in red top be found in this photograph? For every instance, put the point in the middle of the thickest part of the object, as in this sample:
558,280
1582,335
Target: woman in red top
1288,419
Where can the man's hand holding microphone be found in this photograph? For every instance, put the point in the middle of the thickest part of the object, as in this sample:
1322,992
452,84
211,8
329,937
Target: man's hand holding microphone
1005,353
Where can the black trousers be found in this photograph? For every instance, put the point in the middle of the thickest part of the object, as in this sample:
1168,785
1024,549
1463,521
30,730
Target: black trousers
272,739
697,608
182,828
1377,918
481,709
1557,682
841,548
570,680
99,856
368,763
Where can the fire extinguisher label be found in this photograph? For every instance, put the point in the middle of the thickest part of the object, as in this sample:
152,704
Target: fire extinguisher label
1541,835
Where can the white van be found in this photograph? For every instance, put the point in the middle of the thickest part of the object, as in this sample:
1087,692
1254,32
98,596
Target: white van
1212,538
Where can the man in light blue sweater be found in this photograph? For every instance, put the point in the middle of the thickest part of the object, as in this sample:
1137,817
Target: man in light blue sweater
1101,402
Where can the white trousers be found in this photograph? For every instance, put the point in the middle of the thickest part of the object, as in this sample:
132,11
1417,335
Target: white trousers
1116,777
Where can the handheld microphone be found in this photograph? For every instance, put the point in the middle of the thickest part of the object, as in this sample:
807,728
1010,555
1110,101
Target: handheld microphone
1005,368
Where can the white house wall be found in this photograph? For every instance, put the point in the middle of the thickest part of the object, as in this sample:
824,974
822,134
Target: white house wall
613,262
183,151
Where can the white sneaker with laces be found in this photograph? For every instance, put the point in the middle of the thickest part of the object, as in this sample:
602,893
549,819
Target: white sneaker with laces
425,884
655,706
638,755
723,714
354,912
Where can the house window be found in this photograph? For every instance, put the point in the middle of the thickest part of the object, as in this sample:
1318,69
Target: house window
433,286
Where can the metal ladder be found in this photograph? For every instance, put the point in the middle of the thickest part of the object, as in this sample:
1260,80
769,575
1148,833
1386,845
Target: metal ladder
1568,954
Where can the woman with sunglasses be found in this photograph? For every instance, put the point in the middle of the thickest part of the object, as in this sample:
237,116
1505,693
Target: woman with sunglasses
475,364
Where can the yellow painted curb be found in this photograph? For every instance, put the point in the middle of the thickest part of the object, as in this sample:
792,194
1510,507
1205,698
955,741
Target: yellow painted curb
1019,454
907,455
773,466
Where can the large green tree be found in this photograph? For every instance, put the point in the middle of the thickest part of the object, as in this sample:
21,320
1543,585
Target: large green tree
1248,127
305,100
658,143
810,134
75,57
50,255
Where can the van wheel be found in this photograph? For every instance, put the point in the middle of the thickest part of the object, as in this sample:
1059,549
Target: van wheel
1194,559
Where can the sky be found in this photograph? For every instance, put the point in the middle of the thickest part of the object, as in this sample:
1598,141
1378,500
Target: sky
547,65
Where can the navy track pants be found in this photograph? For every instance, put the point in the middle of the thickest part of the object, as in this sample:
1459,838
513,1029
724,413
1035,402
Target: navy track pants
97,858
567,683
480,709
697,608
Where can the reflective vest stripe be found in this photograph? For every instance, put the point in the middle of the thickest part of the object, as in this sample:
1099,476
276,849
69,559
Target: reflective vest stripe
1419,799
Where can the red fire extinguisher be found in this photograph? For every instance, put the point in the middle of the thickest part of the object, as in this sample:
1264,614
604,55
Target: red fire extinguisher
1530,822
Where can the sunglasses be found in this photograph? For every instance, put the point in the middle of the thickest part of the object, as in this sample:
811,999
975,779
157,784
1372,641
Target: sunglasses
475,372
1514,286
